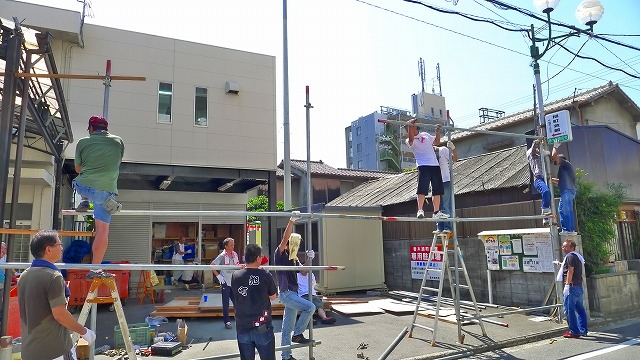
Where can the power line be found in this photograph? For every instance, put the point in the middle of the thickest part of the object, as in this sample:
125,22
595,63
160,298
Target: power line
612,53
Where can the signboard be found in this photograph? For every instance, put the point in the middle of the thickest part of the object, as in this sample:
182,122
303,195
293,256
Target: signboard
558,127
419,256
528,253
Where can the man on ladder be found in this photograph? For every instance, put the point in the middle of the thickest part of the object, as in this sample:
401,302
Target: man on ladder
46,324
97,162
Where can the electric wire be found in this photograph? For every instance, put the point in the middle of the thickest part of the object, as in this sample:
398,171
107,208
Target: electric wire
612,53
524,36
561,70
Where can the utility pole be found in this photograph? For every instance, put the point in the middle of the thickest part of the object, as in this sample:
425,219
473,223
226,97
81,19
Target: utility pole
285,110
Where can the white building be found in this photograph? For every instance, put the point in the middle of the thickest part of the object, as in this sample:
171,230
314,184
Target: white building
198,133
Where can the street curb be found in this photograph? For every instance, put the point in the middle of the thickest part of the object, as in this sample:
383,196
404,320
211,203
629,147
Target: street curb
501,344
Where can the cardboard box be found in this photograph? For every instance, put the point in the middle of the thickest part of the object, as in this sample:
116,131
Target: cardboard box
82,349
191,232
211,251
209,234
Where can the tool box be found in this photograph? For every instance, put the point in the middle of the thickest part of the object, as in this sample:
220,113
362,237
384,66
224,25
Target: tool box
166,348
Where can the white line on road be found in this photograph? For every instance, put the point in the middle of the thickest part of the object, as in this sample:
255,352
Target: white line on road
606,350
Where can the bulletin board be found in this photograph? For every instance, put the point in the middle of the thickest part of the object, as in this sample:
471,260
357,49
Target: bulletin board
525,250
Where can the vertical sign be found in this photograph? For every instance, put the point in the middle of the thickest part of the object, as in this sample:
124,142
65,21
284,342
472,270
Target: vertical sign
558,127
419,256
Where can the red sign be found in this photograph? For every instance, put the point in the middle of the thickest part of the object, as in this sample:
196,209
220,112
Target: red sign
421,253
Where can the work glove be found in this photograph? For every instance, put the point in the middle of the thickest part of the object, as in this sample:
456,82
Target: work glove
295,215
89,336
220,279
311,254
451,146
565,292
556,144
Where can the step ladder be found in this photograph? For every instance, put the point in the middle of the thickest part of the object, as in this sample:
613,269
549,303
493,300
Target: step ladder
93,298
445,247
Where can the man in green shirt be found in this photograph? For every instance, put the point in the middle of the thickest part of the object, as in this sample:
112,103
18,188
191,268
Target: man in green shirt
97,162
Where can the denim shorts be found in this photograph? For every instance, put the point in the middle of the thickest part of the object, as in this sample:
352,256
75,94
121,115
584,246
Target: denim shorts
97,198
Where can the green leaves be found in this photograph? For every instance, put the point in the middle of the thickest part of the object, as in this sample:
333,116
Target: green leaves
596,211
261,203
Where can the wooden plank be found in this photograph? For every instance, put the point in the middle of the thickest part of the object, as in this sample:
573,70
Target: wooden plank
394,306
354,309
34,231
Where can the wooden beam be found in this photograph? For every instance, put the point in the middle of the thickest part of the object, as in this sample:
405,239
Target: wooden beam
78,76
34,231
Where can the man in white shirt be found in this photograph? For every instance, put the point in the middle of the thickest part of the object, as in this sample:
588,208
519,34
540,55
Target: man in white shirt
421,145
227,257
443,153
303,291
177,259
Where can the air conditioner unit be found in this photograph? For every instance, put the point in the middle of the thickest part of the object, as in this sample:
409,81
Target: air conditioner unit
231,87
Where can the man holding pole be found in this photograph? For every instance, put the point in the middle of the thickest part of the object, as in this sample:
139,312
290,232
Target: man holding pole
97,162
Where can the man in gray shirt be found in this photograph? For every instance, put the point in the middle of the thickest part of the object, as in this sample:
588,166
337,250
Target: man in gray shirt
226,257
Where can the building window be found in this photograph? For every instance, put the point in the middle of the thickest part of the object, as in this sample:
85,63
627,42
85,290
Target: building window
359,164
359,148
200,107
349,135
432,111
350,151
165,95
358,130
440,112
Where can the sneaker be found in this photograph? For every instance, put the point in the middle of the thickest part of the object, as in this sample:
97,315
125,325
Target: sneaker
546,211
440,215
446,231
436,232
584,333
300,339
93,274
545,222
187,287
227,325
83,206
328,321
420,214
569,335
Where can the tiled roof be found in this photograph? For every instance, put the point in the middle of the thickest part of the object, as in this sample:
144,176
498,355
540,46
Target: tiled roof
319,168
526,115
497,170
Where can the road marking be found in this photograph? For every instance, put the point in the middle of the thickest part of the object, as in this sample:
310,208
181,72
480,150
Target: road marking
606,350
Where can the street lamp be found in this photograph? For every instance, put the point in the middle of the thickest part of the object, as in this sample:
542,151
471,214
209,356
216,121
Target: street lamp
589,12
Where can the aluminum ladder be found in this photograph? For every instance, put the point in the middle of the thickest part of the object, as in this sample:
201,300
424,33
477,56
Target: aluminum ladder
444,240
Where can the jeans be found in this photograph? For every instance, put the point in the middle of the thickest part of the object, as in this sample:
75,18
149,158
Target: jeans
227,294
543,189
292,304
251,340
97,198
445,206
574,310
567,221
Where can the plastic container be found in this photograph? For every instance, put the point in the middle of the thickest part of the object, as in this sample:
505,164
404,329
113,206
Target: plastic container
140,335
13,326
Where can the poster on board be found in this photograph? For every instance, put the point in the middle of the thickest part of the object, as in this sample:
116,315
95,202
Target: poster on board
531,264
510,262
516,246
529,245
492,259
504,243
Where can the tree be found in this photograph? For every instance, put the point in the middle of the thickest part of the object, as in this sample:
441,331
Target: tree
596,212
261,203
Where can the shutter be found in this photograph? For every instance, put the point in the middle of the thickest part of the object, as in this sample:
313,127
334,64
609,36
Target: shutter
130,240
223,219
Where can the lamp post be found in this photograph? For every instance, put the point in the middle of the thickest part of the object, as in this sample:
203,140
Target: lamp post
589,12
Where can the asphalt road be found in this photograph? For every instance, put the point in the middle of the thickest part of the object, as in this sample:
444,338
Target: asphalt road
619,341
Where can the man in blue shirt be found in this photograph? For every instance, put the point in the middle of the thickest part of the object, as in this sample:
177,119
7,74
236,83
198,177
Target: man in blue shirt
567,184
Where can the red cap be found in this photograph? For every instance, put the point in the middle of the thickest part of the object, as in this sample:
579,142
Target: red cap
265,260
97,120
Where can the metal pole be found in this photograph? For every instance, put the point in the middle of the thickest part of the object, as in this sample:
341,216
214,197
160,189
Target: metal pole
309,243
7,109
147,267
546,164
107,85
479,131
489,287
285,110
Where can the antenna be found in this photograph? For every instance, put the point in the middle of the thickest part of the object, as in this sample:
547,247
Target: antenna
421,71
438,76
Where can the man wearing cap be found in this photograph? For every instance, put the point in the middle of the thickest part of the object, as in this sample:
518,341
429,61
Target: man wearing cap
566,181
97,162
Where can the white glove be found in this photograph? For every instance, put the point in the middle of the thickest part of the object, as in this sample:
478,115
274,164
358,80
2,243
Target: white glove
295,215
451,146
565,292
545,152
311,254
89,336
220,279
556,144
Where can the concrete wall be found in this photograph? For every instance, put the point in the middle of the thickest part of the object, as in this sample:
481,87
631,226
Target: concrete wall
241,129
614,294
511,288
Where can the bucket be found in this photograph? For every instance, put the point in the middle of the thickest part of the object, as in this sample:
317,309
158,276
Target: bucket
13,325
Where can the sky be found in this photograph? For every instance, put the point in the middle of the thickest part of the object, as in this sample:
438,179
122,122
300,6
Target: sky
358,55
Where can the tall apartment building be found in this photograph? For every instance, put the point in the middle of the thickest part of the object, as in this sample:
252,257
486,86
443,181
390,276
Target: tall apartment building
373,145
